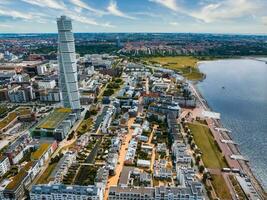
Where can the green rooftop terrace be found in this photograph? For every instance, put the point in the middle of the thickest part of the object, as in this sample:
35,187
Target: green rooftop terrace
39,152
17,180
53,119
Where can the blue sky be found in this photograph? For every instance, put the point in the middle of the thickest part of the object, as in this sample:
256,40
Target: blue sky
197,16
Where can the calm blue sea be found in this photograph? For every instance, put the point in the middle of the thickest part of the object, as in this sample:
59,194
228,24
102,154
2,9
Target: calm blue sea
242,104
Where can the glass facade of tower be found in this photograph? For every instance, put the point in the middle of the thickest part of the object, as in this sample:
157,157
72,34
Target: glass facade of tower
68,79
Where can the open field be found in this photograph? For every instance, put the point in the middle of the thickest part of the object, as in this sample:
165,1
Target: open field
212,157
186,65
220,187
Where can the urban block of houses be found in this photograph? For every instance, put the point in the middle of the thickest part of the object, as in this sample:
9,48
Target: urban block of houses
62,167
62,192
179,153
18,148
161,171
56,125
4,165
130,155
193,192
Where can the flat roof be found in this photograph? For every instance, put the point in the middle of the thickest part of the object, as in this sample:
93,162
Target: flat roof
17,180
40,151
210,114
54,118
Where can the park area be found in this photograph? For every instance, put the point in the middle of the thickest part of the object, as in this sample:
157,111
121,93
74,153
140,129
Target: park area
220,187
211,155
186,65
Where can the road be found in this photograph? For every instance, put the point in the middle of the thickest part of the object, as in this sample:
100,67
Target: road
113,180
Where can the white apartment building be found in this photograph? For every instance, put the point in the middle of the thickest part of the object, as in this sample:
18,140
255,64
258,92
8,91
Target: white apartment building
47,84
65,192
4,165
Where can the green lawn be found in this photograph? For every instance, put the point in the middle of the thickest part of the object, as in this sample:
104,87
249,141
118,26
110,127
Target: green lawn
220,187
212,157
53,119
187,65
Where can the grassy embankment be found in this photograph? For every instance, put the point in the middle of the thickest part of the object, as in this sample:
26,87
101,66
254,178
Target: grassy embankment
186,65
44,179
211,156
220,187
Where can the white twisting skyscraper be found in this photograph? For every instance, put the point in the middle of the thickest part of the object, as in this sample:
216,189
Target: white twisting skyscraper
68,80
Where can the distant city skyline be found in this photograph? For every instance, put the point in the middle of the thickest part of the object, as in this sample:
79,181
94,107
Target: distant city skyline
196,16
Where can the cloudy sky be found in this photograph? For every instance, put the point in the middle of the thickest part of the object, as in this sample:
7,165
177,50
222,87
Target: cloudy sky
205,16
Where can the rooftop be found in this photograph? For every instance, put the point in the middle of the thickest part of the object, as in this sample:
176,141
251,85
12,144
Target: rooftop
56,117
40,151
17,180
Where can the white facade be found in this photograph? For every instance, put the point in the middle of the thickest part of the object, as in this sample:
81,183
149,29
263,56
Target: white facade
41,69
68,79
4,166
63,192
50,84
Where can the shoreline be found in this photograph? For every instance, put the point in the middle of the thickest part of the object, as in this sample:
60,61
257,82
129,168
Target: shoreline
245,167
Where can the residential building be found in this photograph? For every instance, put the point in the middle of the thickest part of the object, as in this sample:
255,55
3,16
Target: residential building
4,165
63,192
193,192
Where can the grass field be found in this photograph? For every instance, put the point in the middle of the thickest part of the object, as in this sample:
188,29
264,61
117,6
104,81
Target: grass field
211,156
220,187
186,65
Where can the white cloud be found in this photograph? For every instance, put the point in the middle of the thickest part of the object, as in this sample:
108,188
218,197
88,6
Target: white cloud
114,10
220,10
174,23
227,9
171,4
83,5
15,14
5,26
55,4
87,20
264,20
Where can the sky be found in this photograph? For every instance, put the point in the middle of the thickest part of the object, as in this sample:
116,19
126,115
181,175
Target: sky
195,16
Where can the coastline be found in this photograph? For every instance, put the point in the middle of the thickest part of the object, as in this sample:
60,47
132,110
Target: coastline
244,166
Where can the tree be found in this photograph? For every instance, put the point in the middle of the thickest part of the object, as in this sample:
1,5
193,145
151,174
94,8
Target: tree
198,160
201,169
205,177
193,146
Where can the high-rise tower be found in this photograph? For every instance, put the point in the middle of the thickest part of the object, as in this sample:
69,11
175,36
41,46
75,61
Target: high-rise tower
68,79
